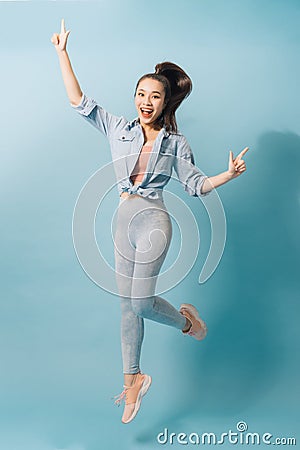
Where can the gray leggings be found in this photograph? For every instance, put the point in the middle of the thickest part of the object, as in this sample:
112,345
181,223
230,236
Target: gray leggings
142,238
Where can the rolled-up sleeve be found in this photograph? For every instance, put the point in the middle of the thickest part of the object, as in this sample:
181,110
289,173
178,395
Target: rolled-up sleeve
96,115
188,174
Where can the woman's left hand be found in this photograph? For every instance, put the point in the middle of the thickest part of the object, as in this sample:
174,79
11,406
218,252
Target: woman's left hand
237,166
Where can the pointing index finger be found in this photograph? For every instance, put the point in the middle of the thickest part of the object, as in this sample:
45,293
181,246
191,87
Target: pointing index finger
240,155
62,27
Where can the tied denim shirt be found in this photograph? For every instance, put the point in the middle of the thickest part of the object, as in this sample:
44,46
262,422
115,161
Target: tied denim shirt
126,140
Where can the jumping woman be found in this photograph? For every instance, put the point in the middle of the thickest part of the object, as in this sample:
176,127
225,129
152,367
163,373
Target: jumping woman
144,152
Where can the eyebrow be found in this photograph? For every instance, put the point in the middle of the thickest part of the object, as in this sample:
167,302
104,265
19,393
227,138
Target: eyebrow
153,92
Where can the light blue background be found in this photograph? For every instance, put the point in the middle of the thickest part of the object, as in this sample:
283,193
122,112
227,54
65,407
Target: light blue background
59,338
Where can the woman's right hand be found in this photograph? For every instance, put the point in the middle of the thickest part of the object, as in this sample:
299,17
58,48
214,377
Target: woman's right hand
60,40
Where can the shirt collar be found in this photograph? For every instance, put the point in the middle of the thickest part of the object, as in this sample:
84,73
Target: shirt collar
135,122
132,124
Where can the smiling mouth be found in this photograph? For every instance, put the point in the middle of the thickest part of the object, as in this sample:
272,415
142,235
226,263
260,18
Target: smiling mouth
146,112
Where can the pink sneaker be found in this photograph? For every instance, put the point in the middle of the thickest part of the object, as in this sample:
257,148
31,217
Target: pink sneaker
198,330
133,396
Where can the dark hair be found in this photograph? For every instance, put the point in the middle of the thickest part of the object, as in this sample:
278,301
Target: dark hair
177,86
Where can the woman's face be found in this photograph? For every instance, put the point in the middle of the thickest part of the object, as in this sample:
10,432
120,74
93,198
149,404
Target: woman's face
149,101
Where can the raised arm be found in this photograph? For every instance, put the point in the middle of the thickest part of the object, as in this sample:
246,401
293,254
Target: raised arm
71,83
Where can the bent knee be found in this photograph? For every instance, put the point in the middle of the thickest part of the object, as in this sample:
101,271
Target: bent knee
142,306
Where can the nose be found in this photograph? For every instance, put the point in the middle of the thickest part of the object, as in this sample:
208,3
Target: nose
147,100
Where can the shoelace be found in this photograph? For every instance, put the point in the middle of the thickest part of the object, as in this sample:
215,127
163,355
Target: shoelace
120,397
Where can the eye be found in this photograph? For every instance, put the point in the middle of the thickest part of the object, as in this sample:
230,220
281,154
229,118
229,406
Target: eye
140,94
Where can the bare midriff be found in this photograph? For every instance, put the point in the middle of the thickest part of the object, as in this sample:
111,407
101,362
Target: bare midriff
139,169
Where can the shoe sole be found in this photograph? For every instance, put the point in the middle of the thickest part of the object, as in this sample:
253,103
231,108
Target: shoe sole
191,308
143,391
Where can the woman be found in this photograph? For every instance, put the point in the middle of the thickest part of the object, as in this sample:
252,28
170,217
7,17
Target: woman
144,152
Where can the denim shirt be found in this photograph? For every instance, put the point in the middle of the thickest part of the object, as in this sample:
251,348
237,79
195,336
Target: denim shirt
126,140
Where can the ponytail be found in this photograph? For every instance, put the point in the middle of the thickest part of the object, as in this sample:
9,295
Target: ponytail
177,86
